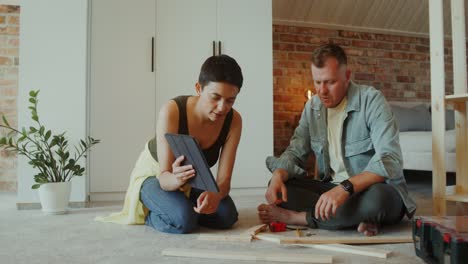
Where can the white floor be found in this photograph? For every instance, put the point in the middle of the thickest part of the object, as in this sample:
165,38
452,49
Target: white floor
28,236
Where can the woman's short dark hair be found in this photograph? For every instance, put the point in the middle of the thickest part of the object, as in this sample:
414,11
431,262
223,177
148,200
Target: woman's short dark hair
322,53
221,68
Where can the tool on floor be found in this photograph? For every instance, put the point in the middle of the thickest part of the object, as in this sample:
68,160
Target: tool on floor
442,240
298,232
294,227
277,226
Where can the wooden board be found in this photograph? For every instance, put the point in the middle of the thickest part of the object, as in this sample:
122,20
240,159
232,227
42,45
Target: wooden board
256,229
268,237
347,240
227,238
247,255
357,250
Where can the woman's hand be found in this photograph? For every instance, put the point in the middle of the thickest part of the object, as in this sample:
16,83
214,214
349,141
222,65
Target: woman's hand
208,202
182,173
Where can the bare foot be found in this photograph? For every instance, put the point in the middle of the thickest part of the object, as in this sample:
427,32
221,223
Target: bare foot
368,229
268,213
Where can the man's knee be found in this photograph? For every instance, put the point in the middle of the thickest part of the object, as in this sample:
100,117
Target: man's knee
379,198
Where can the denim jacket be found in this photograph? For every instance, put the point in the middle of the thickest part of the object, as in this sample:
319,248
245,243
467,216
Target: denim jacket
369,143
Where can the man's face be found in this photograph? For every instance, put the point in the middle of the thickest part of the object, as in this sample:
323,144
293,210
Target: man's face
331,82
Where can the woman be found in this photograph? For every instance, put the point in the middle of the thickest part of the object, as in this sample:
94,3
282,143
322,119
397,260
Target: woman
170,205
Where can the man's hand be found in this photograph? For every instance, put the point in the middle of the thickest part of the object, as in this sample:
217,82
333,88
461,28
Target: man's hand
329,202
208,202
277,186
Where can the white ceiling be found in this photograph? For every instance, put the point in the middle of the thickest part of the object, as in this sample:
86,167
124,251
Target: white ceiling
386,16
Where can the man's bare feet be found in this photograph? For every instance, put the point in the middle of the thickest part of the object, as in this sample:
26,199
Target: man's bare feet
368,229
268,213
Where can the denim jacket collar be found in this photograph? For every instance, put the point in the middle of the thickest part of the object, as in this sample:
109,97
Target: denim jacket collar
354,98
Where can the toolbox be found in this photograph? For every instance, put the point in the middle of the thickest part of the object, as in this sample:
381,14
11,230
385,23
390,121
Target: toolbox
442,240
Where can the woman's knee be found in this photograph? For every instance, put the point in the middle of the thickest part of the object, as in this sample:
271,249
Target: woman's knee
170,211
227,214
176,222
149,191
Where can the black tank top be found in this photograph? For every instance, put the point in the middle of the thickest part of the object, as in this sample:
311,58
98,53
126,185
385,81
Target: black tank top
211,153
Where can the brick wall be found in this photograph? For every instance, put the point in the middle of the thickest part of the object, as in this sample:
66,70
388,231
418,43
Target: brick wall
9,42
399,66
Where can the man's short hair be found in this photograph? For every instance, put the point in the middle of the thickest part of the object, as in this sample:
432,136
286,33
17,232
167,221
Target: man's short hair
322,53
221,68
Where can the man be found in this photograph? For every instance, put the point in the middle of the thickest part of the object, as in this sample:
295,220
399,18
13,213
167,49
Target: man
352,132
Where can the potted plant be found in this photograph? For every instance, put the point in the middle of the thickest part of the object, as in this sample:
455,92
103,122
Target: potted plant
49,154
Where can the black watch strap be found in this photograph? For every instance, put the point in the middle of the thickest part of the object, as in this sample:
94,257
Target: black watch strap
347,186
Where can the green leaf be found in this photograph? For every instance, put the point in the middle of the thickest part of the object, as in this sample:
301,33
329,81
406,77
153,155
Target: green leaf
41,130
47,135
36,186
3,141
5,121
32,129
33,93
32,100
35,118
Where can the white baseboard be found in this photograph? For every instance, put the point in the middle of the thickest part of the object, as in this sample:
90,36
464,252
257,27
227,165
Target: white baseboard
106,196
120,196
248,191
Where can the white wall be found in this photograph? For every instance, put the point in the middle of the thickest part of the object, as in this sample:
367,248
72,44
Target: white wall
9,2
53,58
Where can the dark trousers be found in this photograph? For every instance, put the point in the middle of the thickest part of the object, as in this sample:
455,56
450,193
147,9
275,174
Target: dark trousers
379,204
172,212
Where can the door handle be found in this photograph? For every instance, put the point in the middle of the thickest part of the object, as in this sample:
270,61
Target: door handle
152,54
219,48
214,48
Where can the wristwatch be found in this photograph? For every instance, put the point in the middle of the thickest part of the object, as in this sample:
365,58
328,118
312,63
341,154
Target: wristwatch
347,186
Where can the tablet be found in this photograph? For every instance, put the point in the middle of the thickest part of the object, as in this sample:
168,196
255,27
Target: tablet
188,147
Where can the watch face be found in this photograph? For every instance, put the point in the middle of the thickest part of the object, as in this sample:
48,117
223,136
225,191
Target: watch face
348,186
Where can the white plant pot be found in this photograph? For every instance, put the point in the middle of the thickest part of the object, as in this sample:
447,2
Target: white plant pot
54,197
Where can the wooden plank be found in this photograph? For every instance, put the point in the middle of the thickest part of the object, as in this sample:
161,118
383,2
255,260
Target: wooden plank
457,198
461,129
456,98
460,90
226,238
268,237
462,209
256,229
459,46
347,240
247,255
357,250
436,31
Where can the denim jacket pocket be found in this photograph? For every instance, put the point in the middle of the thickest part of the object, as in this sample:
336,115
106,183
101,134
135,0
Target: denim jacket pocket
358,147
